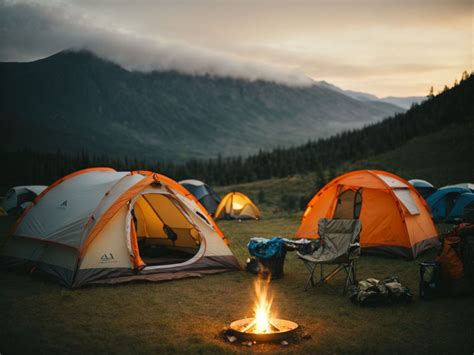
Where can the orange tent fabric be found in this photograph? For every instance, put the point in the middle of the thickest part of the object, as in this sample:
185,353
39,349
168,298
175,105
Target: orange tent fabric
395,218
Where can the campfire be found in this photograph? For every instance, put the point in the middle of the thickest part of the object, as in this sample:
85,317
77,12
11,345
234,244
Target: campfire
263,326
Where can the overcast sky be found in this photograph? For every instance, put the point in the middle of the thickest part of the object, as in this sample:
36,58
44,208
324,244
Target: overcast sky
384,47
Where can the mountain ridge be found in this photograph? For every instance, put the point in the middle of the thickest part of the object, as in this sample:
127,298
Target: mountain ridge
75,100
402,102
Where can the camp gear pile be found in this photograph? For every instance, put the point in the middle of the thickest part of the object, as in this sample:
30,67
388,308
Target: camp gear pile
269,256
372,292
430,280
266,248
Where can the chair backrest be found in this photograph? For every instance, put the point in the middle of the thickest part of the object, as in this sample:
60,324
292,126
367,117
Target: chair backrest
337,237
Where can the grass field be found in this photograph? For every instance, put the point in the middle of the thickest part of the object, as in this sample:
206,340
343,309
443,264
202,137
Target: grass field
186,316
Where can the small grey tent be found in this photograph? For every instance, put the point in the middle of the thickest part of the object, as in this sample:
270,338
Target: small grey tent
203,193
19,197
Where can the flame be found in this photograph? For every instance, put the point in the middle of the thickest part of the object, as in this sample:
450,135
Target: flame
262,306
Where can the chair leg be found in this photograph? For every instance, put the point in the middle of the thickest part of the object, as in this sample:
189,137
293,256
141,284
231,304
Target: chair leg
348,268
350,279
311,268
354,271
347,280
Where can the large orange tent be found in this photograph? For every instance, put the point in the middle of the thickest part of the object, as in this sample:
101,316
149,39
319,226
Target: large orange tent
395,218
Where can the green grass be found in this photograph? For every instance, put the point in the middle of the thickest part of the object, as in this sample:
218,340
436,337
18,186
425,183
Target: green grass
185,316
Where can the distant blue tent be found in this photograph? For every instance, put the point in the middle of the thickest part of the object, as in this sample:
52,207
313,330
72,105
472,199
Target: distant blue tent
465,185
203,193
442,202
423,187
464,203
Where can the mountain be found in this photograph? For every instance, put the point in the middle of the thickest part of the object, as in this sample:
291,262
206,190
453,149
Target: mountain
402,102
446,119
75,101
433,140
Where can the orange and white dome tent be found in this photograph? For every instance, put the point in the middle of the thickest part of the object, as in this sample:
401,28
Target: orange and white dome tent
236,205
102,226
395,218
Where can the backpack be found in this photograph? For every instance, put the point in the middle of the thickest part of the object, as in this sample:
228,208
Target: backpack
467,248
450,259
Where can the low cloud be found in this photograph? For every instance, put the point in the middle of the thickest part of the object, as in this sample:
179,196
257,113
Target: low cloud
30,30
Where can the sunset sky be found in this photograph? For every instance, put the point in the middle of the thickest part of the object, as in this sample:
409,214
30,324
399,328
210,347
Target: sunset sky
397,48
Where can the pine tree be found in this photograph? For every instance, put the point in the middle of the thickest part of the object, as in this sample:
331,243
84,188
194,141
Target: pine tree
431,93
465,75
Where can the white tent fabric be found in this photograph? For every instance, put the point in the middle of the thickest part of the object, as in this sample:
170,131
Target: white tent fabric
80,231
392,182
62,213
405,197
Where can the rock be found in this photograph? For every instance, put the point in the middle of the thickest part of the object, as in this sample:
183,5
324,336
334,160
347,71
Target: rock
306,336
284,343
247,343
231,338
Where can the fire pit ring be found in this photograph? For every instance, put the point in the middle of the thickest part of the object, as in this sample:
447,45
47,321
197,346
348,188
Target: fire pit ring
284,329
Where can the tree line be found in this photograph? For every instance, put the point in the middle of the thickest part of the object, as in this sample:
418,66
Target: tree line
451,106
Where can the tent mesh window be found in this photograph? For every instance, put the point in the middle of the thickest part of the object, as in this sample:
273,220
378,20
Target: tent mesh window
164,234
349,204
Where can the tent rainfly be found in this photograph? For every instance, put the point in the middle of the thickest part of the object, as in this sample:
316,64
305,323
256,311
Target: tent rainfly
465,185
423,187
203,193
444,201
395,218
19,197
236,205
464,206
102,226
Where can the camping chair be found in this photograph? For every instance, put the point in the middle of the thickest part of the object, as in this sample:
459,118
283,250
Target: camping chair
338,245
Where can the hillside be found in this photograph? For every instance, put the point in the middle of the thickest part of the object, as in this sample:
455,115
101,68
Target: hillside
74,101
438,157
452,108
442,158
